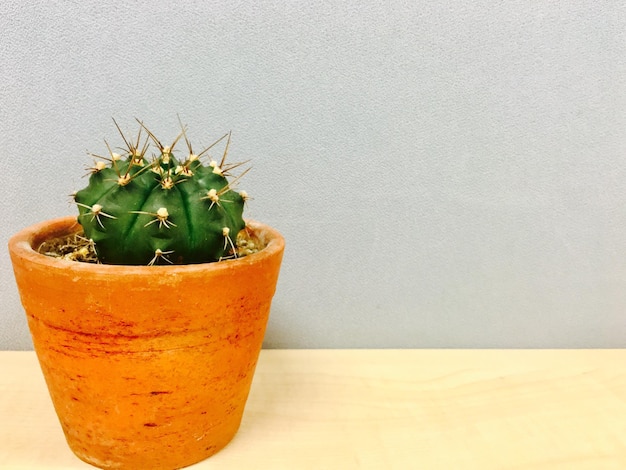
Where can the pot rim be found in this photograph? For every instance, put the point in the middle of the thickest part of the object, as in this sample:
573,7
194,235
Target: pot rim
21,246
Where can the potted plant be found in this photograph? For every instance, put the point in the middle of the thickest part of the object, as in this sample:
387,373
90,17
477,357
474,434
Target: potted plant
149,352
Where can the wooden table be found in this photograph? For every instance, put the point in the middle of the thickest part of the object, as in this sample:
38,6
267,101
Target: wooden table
383,409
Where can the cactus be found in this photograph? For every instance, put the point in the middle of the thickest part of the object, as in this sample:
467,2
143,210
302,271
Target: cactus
142,210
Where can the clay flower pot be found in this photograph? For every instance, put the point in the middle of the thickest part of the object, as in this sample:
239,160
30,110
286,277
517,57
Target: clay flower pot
147,366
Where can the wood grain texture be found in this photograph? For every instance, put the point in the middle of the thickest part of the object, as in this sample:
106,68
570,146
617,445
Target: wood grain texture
392,409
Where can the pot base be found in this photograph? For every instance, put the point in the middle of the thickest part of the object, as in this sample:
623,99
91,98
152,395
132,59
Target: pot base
149,461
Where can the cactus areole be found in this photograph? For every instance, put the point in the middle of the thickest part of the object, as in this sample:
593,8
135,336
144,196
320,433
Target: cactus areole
154,205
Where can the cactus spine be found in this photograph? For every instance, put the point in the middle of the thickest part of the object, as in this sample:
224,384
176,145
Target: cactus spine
161,209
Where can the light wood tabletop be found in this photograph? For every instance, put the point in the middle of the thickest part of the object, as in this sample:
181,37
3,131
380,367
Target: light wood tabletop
383,409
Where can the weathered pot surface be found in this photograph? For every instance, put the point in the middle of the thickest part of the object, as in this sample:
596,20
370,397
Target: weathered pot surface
147,366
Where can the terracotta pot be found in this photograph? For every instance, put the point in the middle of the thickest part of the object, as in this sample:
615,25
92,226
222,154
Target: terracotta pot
148,366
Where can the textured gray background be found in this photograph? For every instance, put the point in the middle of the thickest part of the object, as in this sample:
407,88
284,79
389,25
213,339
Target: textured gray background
447,174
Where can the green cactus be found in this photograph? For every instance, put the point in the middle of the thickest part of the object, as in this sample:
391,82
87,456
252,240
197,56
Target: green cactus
142,210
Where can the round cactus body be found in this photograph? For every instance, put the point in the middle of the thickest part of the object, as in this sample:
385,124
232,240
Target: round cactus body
142,210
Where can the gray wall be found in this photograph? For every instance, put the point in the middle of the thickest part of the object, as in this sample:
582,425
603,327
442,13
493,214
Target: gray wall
447,174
